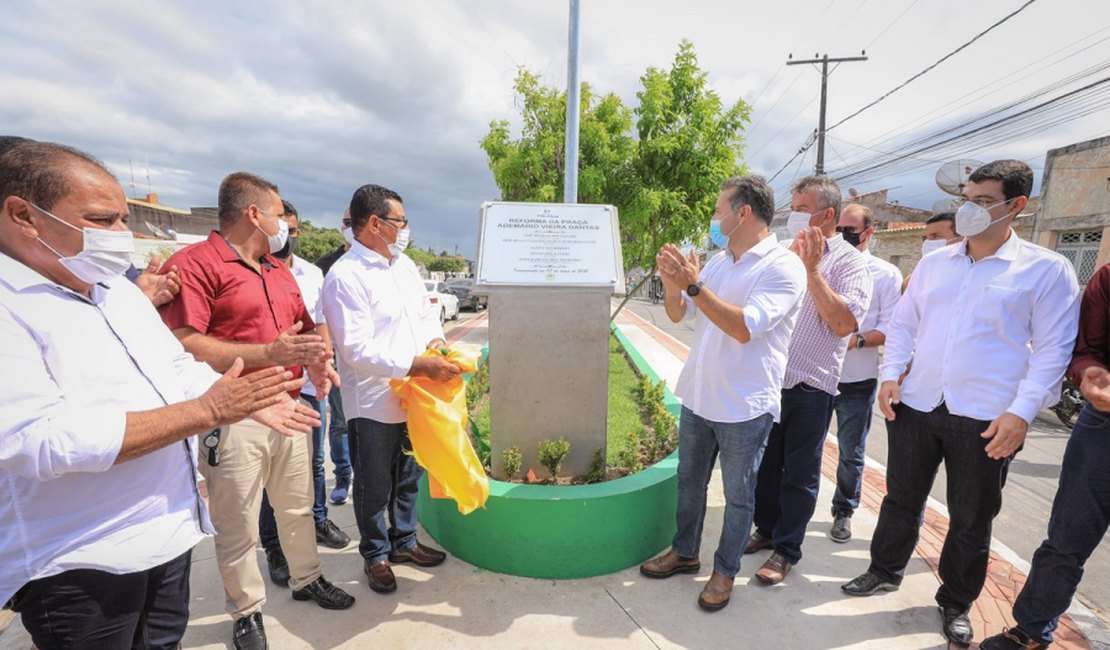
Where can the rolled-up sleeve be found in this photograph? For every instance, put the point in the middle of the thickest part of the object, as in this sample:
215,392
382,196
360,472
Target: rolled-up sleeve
41,436
781,287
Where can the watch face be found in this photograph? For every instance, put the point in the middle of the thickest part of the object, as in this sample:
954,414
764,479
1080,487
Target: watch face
211,440
693,290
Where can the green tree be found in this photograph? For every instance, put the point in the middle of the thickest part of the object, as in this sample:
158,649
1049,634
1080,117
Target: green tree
688,141
446,264
531,168
316,241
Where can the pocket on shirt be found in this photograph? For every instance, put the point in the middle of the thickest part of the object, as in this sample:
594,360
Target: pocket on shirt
1001,305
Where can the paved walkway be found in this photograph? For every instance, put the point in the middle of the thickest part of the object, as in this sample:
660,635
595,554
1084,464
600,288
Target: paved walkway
458,605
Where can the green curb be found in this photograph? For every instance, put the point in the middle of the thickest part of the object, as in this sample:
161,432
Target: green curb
574,531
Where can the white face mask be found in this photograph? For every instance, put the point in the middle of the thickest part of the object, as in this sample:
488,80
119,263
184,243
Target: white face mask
276,241
796,223
403,238
972,218
105,254
930,245
348,236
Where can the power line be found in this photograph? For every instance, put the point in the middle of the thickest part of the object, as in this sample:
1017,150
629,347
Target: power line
941,60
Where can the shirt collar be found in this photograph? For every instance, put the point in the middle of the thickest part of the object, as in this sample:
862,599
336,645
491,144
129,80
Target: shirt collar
762,247
228,253
21,277
372,256
1008,251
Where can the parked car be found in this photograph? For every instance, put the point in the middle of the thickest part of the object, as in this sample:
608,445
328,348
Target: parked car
440,296
463,288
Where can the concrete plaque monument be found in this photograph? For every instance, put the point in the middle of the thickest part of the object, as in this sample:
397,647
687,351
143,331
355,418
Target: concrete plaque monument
550,270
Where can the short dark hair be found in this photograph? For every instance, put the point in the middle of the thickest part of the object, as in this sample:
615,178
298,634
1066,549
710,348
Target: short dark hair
942,216
868,215
288,208
827,191
238,191
753,191
1016,177
8,140
39,172
369,200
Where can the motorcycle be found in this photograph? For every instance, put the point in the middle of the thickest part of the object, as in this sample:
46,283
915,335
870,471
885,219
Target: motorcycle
1070,404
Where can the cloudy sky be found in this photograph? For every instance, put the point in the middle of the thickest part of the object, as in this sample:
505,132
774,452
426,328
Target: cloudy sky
322,97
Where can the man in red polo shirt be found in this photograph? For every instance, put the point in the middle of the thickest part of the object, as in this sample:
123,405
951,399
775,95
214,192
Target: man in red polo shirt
236,300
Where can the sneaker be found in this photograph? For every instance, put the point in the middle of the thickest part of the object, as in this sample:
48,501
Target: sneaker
325,594
867,584
328,534
278,566
1011,638
841,530
342,492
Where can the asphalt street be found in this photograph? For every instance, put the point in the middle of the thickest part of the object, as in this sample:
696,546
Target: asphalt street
1027,497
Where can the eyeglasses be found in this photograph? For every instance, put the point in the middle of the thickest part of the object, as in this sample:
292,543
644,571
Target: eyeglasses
401,220
986,204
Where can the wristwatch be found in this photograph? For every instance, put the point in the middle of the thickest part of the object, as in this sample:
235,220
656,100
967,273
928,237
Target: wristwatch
860,341
693,289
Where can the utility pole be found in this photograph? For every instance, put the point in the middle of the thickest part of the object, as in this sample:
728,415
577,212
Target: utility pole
570,173
824,61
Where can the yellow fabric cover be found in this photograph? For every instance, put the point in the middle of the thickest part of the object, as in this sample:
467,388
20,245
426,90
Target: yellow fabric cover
437,422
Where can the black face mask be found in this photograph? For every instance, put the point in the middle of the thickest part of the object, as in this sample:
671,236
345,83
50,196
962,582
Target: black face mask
851,237
287,251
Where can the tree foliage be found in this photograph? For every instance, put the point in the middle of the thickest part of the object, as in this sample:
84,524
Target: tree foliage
663,176
316,241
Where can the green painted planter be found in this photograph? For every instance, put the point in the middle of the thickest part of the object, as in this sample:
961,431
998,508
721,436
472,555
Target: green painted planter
577,531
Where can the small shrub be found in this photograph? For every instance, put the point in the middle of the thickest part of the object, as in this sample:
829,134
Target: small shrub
552,454
478,385
597,469
629,457
511,459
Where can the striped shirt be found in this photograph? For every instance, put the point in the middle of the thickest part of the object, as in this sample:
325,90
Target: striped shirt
816,352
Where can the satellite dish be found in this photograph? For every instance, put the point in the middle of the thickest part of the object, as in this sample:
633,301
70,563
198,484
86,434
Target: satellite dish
158,232
852,192
945,205
953,175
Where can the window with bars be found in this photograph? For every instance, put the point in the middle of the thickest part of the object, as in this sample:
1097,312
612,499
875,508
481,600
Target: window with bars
1081,249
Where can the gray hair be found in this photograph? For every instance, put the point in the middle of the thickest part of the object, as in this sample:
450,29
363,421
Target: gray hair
828,192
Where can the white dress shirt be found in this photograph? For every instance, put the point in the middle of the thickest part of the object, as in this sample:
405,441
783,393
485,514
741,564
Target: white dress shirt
379,319
987,337
728,381
73,369
310,280
816,352
861,364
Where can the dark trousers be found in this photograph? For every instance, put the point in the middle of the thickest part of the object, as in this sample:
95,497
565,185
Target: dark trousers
386,484
918,443
86,608
853,423
1080,517
786,489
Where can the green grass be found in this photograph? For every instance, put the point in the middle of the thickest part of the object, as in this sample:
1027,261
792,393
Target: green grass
624,412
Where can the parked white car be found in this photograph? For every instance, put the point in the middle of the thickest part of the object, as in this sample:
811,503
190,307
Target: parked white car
441,297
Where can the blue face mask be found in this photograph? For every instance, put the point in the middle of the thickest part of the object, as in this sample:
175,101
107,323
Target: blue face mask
719,239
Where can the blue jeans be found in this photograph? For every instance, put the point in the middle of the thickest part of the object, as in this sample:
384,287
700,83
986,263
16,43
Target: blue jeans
1079,519
853,423
267,525
386,483
740,445
337,436
786,491
918,443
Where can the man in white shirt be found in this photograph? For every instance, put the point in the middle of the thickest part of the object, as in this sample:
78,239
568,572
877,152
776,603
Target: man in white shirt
992,320
310,280
381,322
97,449
744,304
858,379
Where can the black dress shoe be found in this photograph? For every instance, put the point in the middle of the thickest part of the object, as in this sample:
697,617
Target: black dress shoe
957,626
325,594
249,633
381,576
328,534
278,566
419,555
867,584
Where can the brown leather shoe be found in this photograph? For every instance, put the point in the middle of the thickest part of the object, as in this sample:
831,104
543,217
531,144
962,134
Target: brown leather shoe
419,555
757,542
668,564
773,570
381,576
716,593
